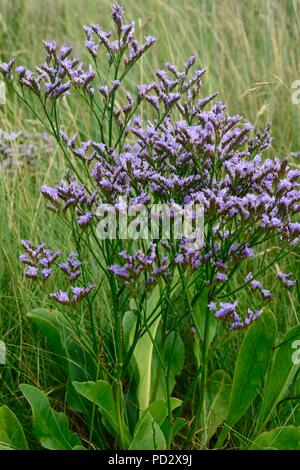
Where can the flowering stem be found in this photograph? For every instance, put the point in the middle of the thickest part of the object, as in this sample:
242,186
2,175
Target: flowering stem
91,313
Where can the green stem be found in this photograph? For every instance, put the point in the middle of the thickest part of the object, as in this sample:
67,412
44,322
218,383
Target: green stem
203,383
222,437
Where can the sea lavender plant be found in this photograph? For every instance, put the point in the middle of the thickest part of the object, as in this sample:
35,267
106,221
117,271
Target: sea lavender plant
188,152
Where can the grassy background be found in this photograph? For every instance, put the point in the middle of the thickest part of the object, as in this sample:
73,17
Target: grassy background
251,50
249,47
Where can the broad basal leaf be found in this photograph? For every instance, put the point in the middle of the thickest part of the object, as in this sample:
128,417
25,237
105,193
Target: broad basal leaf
159,409
282,374
143,350
49,427
173,359
100,393
68,351
252,363
218,395
285,438
148,434
11,431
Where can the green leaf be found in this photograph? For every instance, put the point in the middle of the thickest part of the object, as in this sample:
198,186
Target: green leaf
175,427
50,427
129,324
204,319
81,367
282,374
173,360
218,395
176,281
148,434
295,416
252,363
11,431
48,322
76,361
101,394
159,409
143,351
5,447
287,438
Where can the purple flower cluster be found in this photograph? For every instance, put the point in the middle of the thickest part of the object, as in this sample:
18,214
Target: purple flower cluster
257,285
125,42
69,194
7,68
192,152
71,267
59,73
285,279
150,264
227,311
77,294
56,75
250,318
38,258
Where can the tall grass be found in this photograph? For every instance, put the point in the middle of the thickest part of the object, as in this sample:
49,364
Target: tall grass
249,47
251,51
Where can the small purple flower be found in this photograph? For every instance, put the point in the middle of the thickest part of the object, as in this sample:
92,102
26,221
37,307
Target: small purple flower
248,277
248,252
24,258
80,292
20,71
92,47
46,273
119,271
50,46
61,297
84,220
252,316
61,89
64,51
71,267
212,306
6,68
266,293
256,284
150,280
179,258
38,255
50,258
70,192
226,309
221,277
50,193
275,222
34,251
114,86
104,90
117,15
32,273
285,279
237,322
